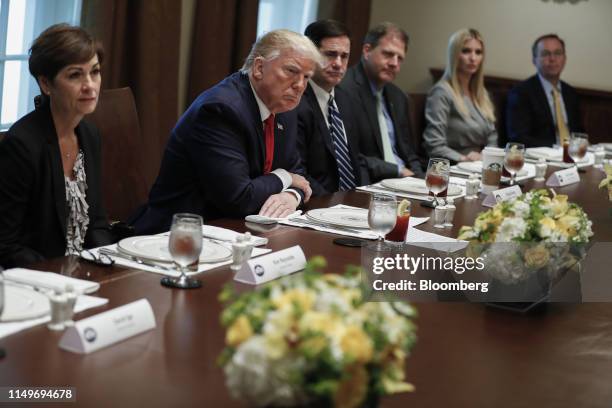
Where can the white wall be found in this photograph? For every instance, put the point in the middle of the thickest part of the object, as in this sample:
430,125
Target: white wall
509,27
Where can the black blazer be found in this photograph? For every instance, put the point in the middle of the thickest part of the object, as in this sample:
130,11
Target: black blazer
357,85
33,208
529,119
316,147
213,162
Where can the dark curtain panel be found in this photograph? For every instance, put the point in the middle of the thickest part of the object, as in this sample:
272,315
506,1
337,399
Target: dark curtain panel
141,40
356,15
224,31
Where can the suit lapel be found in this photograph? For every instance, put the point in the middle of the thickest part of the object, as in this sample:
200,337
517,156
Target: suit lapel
320,120
57,169
253,109
368,101
543,100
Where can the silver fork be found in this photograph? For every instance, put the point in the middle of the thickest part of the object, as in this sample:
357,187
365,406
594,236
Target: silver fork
320,224
117,254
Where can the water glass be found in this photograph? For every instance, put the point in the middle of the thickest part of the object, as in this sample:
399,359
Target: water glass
382,215
185,246
514,160
578,145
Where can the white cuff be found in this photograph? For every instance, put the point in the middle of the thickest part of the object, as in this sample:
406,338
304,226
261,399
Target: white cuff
284,177
297,195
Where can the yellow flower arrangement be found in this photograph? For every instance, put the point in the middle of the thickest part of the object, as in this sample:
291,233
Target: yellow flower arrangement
607,181
532,232
313,339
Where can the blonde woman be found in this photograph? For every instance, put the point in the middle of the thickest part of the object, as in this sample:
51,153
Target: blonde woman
459,114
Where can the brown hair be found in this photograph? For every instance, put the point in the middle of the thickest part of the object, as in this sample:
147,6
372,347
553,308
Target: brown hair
534,47
61,45
377,32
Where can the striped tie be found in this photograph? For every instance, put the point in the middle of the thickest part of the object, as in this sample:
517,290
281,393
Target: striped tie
336,129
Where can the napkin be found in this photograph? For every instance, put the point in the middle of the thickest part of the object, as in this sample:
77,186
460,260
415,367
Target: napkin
83,302
224,234
49,280
424,239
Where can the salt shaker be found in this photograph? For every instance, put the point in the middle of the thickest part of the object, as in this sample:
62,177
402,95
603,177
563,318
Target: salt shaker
471,187
540,169
71,297
450,213
58,304
241,251
439,216
599,156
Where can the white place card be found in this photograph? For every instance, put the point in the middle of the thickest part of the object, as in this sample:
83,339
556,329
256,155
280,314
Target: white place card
110,327
563,177
272,266
503,194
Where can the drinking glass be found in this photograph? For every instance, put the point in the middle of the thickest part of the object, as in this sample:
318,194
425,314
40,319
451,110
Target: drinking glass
514,159
436,178
185,245
578,144
382,215
402,220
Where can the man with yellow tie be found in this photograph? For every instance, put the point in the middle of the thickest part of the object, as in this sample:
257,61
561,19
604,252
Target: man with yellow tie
543,110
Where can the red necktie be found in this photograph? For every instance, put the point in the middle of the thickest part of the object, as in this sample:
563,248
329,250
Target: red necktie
269,135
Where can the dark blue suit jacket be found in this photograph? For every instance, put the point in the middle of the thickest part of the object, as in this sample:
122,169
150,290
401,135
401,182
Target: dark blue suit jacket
213,162
317,148
529,119
357,86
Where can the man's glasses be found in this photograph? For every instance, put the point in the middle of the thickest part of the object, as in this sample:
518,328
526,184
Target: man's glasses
98,259
548,54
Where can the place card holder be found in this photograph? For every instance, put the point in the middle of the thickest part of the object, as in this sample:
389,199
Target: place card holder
107,328
563,177
272,266
503,194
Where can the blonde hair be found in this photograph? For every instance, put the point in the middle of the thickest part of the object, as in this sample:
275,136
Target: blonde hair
480,96
273,43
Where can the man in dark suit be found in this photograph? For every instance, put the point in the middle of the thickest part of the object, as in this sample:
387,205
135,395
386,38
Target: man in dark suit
327,140
535,105
383,122
233,152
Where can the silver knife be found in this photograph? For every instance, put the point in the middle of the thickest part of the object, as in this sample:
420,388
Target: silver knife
117,254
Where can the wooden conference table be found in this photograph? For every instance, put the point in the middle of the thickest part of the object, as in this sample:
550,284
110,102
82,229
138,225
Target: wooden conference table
467,355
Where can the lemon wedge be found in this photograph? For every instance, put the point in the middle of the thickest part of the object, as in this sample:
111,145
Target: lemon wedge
402,207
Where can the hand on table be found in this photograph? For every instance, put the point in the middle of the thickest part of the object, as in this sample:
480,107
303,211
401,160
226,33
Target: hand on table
404,172
300,182
279,205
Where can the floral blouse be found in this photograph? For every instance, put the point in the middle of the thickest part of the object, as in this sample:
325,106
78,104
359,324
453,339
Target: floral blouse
78,216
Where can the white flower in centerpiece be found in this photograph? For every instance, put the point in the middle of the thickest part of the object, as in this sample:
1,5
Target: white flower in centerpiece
521,209
510,228
252,376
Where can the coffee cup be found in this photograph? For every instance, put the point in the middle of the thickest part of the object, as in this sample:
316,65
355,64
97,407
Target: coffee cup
492,167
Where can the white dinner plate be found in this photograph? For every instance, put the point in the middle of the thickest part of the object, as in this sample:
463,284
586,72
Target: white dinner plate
155,248
473,166
549,153
342,217
23,304
415,186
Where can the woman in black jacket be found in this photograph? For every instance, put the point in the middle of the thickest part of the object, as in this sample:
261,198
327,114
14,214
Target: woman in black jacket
50,186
